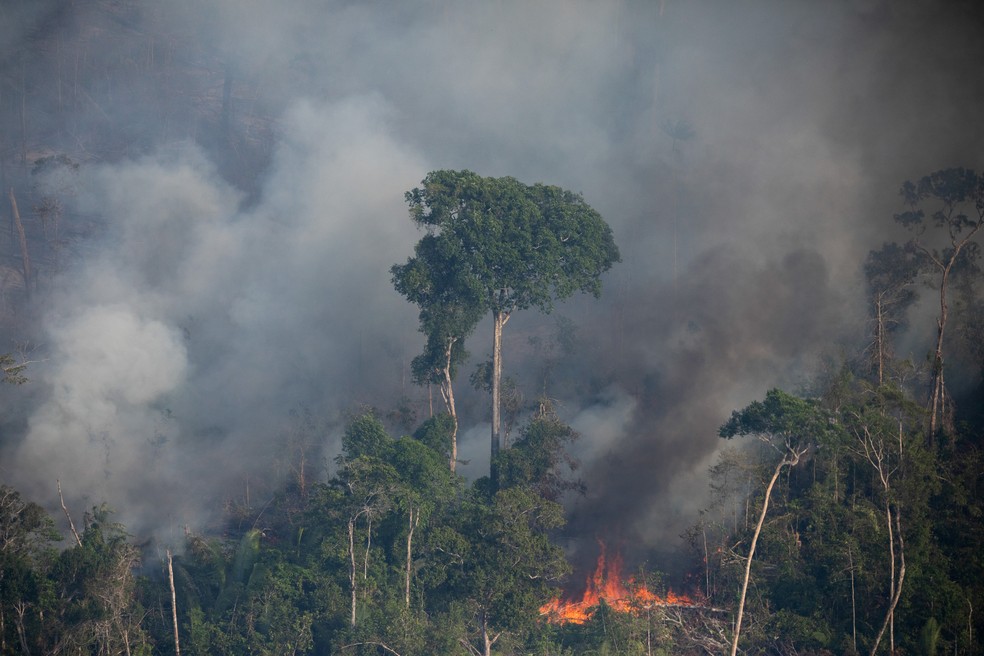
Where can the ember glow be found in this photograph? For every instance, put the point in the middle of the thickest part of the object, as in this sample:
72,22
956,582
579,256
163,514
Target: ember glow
607,584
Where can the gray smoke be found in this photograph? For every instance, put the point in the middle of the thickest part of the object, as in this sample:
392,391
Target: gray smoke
747,157
180,345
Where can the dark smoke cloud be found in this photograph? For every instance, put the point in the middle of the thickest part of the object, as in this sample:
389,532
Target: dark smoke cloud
212,299
733,330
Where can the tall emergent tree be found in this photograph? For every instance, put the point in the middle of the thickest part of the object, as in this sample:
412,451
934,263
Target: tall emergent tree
789,425
956,203
498,245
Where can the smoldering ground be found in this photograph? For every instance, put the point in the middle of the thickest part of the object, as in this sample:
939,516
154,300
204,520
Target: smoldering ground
747,157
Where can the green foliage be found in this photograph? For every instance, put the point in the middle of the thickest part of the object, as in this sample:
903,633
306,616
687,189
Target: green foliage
538,459
507,246
954,201
823,566
950,189
423,471
792,631
494,245
435,432
95,586
26,530
510,564
781,415
365,436
483,560
240,571
26,538
893,268
428,367
929,638
396,554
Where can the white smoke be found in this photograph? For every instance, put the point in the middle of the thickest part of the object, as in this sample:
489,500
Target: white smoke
180,346
210,304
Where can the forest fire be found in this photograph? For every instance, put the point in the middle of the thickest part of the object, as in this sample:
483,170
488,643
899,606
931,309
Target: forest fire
606,584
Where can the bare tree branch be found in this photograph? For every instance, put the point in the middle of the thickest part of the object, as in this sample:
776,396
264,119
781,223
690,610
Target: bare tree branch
71,524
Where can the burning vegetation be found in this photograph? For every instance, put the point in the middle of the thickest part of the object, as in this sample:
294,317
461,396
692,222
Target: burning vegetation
607,584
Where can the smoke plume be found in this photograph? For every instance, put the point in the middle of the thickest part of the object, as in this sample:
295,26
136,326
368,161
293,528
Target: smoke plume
239,201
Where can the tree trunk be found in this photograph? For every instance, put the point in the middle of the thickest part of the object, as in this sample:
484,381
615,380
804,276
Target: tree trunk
898,588
352,569
707,561
970,626
126,640
447,392
791,460
301,474
891,577
71,524
486,640
880,336
499,319
25,256
939,412
174,604
875,454
365,561
21,609
854,606
414,519
937,401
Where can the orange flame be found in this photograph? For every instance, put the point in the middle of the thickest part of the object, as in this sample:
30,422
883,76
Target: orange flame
606,583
